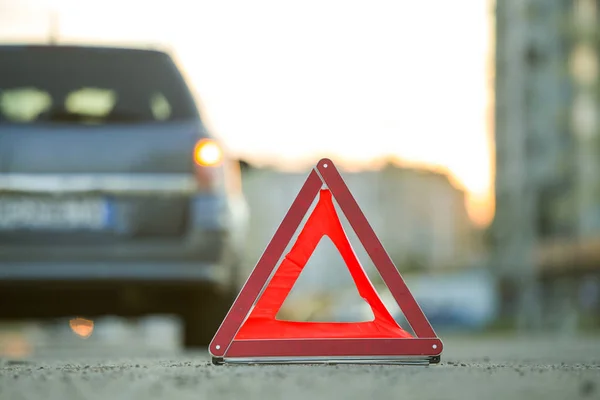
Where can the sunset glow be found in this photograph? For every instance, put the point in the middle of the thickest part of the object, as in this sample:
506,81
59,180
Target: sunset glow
287,82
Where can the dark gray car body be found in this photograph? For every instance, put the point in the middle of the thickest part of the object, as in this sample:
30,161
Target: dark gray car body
140,233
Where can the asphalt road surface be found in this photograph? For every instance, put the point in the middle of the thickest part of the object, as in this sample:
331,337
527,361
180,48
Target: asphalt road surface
491,368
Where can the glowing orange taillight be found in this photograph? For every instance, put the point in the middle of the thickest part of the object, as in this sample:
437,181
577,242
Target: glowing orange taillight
208,156
208,153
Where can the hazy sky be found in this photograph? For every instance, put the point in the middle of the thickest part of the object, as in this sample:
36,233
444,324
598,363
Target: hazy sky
294,80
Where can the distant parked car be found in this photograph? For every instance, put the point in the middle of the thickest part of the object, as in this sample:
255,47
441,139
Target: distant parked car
114,196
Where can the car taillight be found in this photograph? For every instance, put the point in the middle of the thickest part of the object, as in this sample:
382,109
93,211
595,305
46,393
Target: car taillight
208,157
208,153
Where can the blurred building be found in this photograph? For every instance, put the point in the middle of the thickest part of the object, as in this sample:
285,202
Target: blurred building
547,153
419,216
426,224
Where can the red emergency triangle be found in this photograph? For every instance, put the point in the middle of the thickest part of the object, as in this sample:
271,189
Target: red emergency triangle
251,329
262,324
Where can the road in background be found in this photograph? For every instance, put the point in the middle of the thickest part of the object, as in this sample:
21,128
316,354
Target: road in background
108,335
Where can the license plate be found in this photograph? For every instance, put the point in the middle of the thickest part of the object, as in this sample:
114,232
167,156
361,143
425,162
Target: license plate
53,213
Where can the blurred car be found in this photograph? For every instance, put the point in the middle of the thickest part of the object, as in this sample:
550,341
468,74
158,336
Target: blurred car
454,301
463,300
115,198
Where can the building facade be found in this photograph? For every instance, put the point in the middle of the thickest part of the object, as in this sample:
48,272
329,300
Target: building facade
547,148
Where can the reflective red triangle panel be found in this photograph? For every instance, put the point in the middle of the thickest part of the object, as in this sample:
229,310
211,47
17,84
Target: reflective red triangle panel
262,322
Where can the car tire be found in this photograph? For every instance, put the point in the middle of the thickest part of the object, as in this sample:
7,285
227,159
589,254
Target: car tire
203,317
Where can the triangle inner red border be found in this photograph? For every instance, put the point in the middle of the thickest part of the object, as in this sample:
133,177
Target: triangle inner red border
262,322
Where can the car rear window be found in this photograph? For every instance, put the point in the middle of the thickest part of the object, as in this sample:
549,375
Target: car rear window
92,86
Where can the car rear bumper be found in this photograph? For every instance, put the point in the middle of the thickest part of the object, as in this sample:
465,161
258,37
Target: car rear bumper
45,273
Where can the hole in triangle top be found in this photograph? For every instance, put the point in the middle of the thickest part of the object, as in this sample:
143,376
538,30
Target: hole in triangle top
325,291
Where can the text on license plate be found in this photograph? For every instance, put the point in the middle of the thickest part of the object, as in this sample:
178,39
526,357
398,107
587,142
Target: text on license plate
53,213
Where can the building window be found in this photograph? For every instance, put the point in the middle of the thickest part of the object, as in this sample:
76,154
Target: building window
585,14
584,115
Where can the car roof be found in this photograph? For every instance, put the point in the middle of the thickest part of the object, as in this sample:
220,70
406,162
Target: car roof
114,48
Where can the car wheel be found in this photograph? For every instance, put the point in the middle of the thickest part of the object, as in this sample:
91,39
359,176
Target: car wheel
203,317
